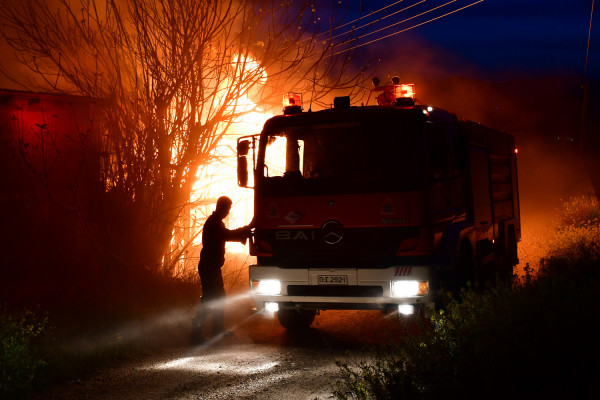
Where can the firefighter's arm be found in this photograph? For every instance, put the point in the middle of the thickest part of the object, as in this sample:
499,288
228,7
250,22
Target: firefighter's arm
240,234
246,232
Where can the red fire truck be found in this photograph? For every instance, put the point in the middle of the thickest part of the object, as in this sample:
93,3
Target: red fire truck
376,207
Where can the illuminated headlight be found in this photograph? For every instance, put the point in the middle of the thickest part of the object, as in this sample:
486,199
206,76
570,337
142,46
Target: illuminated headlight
271,306
406,309
409,288
269,287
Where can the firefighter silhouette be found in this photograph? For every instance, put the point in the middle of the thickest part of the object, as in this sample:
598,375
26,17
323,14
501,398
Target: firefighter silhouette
212,258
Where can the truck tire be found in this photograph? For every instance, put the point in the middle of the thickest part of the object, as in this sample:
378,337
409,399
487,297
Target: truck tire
296,320
461,273
464,268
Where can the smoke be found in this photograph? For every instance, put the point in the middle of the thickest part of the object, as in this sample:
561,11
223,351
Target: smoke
12,73
541,110
170,325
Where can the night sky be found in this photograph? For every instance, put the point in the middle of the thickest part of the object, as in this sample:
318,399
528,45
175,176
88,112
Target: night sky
493,36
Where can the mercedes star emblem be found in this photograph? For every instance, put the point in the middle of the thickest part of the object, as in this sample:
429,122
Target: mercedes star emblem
332,232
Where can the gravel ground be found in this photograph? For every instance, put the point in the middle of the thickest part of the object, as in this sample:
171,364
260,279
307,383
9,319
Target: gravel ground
230,369
260,360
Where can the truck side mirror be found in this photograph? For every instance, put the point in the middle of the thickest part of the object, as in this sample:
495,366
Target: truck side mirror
243,147
242,170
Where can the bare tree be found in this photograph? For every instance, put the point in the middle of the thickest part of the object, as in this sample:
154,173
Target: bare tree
170,77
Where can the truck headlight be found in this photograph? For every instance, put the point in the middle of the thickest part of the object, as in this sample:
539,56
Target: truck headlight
406,309
409,288
268,287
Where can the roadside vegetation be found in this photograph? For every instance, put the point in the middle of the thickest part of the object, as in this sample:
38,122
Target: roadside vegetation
534,339
20,358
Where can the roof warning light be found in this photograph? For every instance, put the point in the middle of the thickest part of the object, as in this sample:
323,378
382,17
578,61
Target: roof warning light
292,103
397,94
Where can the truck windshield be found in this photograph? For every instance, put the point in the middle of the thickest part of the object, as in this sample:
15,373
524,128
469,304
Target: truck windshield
345,157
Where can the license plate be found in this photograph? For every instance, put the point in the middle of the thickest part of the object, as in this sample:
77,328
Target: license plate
332,279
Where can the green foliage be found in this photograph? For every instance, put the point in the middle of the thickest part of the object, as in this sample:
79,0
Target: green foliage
579,210
576,244
378,380
575,248
533,339
20,358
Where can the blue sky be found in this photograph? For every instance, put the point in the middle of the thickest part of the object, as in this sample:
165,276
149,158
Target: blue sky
531,36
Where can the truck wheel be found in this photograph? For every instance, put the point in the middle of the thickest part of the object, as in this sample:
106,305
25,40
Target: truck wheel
295,320
461,271
464,268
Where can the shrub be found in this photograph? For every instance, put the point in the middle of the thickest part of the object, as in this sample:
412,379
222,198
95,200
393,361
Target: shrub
579,210
576,244
20,359
575,247
529,341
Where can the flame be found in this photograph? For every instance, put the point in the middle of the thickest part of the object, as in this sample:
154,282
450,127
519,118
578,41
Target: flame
250,69
220,177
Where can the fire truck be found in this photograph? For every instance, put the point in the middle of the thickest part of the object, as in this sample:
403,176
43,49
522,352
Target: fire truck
380,207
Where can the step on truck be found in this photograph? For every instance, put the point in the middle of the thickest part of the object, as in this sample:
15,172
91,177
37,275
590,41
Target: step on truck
376,207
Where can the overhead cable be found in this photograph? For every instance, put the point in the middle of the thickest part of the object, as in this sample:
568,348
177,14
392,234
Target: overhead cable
407,29
407,19
387,16
364,16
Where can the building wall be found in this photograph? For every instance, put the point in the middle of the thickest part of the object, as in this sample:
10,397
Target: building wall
49,178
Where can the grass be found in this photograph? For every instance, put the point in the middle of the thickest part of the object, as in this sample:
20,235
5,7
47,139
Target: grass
533,339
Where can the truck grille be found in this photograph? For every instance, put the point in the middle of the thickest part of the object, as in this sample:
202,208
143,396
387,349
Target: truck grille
360,247
335,291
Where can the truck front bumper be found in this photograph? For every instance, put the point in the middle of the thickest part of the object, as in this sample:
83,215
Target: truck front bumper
387,289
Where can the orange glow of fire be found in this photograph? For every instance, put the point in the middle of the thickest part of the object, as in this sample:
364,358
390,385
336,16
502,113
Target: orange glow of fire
220,178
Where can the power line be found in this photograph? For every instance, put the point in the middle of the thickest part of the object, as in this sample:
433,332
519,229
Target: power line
585,87
407,29
407,19
387,16
364,16
587,52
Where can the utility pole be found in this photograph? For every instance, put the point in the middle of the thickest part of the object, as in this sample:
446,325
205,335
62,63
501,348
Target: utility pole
585,86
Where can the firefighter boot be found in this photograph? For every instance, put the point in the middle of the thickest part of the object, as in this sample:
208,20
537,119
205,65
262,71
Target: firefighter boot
196,336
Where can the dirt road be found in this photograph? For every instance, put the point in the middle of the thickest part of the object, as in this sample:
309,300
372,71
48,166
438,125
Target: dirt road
259,361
